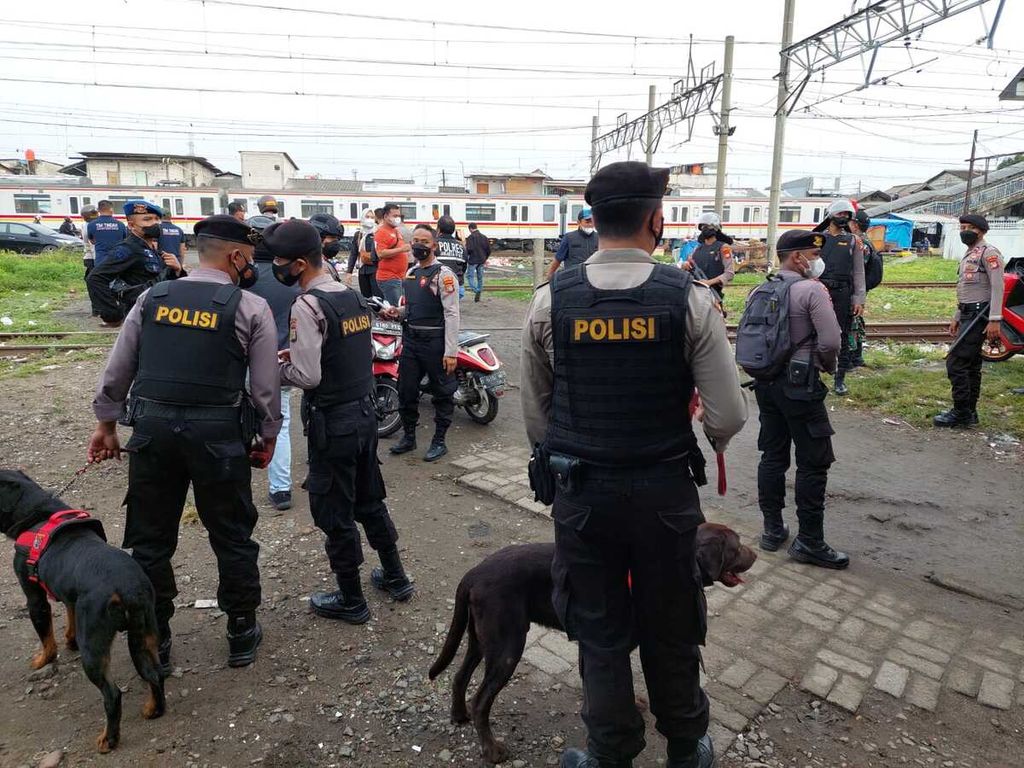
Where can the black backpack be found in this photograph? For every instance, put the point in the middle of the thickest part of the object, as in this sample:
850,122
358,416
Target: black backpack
873,268
763,343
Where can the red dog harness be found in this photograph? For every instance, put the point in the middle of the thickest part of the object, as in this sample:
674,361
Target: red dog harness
33,542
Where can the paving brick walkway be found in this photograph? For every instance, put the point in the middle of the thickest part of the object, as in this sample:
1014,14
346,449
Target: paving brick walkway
835,635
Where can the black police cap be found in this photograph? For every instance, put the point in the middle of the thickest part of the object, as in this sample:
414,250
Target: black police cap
225,227
627,180
975,220
292,239
799,240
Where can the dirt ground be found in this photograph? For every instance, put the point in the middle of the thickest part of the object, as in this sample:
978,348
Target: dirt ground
906,504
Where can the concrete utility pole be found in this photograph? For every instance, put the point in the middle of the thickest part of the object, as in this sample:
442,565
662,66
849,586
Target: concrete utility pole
651,94
593,145
970,175
538,261
780,132
723,126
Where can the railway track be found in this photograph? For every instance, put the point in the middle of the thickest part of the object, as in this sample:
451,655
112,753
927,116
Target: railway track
31,342
902,286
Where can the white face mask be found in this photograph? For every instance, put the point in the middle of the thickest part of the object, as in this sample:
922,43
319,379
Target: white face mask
816,268
368,225
396,221
587,230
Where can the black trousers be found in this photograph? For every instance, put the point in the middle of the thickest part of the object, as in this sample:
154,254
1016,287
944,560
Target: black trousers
111,306
786,422
422,355
842,295
641,523
168,454
346,487
368,284
963,365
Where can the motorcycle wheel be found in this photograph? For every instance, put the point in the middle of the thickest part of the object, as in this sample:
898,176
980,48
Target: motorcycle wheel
385,401
995,354
485,410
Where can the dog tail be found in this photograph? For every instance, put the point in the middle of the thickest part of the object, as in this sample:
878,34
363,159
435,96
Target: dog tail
117,612
460,619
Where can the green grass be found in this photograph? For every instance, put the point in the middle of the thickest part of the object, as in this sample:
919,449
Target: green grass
910,382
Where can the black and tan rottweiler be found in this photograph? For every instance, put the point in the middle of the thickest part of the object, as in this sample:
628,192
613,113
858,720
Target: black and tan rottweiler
497,600
103,590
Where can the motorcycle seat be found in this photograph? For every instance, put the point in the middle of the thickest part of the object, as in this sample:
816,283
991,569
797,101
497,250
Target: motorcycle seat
469,338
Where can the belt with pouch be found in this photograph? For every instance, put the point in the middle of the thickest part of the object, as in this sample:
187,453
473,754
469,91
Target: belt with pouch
422,332
972,307
156,409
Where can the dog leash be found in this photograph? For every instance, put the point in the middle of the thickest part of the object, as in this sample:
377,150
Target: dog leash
80,472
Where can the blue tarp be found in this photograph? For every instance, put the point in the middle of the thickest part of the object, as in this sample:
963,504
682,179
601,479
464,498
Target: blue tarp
899,232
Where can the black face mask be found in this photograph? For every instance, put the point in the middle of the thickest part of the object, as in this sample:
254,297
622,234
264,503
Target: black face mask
332,249
420,251
841,221
284,275
151,231
968,238
248,275
706,231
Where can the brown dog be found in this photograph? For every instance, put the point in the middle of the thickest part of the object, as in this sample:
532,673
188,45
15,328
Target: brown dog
499,599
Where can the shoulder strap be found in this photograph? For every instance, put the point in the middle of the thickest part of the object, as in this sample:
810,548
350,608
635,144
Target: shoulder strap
224,294
161,289
564,278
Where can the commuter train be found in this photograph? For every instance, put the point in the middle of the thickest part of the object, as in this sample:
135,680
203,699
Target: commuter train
506,217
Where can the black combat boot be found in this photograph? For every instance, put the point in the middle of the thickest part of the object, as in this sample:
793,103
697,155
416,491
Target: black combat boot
775,534
406,444
974,418
840,384
436,450
347,604
817,553
703,756
477,297
954,417
244,637
577,758
391,578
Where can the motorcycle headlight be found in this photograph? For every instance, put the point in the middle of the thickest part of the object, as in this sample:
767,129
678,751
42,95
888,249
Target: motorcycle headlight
386,351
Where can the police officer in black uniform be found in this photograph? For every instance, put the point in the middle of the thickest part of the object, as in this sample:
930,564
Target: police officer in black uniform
184,352
450,251
331,358
612,350
331,231
576,247
711,261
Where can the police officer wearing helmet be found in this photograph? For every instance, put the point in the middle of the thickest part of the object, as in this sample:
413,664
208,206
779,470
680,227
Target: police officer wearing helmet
183,354
792,409
713,255
331,231
133,265
612,351
267,206
430,343
331,357
844,278
576,247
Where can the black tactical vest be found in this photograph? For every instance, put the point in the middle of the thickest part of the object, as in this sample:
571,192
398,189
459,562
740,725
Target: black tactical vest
581,247
423,307
452,254
837,254
346,358
709,259
622,385
189,352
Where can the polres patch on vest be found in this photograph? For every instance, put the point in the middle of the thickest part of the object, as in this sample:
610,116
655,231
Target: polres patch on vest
187,318
358,324
624,328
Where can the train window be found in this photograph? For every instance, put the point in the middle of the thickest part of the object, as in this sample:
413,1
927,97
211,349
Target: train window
313,207
708,209
675,213
86,201
524,213
757,214
514,211
549,212
817,215
789,213
726,214
31,203
73,202
167,204
353,210
435,211
179,206
206,206
480,212
408,211
576,212
746,214
446,209
684,213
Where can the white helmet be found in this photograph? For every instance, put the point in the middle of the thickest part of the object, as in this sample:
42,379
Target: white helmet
710,219
840,206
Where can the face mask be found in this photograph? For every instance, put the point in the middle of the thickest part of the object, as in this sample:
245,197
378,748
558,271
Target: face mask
368,225
706,231
968,238
395,221
248,275
841,220
284,275
420,252
151,231
815,268
332,249
587,230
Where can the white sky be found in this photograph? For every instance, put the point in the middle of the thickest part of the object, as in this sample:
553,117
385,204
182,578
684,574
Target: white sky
318,85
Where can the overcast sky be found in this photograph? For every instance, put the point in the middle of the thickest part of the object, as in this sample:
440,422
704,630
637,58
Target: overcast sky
390,96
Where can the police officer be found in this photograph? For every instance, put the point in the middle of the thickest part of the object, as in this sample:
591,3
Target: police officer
183,353
133,265
576,247
430,343
450,251
280,298
88,214
267,206
793,412
612,351
104,232
713,254
237,210
844,278
979,315
859,226
331,358
172,238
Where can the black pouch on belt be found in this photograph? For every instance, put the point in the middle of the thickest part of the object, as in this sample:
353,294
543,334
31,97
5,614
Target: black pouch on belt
317,427
542,482
566,470
249,420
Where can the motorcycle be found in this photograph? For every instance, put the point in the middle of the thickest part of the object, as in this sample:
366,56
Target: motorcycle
477,370
1011,331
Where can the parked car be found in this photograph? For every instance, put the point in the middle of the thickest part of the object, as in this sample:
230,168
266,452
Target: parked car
34,238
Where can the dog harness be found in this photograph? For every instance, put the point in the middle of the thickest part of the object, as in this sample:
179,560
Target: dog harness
32,543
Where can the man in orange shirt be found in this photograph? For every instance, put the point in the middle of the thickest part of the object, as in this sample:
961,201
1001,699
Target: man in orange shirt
393,254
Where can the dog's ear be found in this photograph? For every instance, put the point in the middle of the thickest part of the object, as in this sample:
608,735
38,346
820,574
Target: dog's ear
710,557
